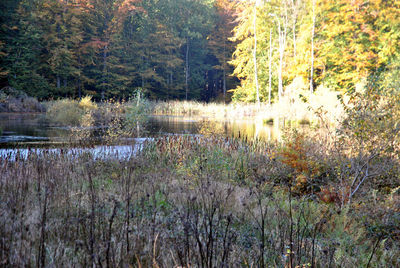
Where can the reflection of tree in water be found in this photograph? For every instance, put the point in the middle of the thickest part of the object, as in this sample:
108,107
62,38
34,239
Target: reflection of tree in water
209,128
244,130
250,130
85,132
239,129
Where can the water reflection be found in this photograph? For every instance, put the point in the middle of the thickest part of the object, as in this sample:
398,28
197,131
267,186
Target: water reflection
27,127
22,128
250,129
98,152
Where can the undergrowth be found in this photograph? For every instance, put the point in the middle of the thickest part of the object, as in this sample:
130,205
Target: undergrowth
192,201
327,198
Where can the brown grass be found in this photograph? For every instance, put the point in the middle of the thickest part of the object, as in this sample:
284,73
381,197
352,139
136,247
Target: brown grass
186,201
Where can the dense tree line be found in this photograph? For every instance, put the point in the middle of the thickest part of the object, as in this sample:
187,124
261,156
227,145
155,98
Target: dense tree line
335,43
109,48
194,49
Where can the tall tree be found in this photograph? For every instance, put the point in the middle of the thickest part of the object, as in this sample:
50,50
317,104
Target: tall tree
26,63
220,45
353,31
255,52
312,48
243,60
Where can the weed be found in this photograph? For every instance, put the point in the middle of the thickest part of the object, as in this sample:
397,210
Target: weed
192,201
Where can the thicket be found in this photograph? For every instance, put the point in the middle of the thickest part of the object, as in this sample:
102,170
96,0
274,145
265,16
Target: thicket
298,107
12,100
322,199
195,201
107,49
108,121
200,50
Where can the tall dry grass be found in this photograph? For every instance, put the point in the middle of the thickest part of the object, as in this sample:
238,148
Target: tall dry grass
191,201
319,199
298,106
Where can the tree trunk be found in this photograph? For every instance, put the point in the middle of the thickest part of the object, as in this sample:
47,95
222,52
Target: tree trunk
104,72
143,69
58,81
79,88
282,43
312,52
294,20
224,73
270,66
294,40
255,53
187,69
79,79
281,51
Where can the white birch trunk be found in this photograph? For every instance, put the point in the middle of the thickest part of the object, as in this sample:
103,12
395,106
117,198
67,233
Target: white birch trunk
270,66
312,52
255,53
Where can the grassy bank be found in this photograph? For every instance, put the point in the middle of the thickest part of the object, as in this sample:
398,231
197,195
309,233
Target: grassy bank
186,201
326,198
299,107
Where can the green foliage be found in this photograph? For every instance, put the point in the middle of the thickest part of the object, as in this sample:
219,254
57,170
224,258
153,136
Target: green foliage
55,49
65,112
138,110
388,78
182,193
68,112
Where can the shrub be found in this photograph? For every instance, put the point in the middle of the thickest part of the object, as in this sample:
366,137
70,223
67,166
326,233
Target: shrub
300,154
12,100
65,112
137,111
68,112
87,104
366,146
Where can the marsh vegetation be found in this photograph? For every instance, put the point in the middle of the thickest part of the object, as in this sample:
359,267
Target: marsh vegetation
277,138
323,198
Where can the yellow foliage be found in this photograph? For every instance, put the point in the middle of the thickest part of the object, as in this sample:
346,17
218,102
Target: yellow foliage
86,103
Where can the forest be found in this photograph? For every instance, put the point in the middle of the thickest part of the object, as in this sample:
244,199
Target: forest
195,49
200,133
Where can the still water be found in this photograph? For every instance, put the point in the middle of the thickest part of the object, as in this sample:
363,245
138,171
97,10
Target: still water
23,134
249,129
32,130
27,128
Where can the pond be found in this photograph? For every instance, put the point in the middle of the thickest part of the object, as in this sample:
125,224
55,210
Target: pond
33,130
245,128
23,132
